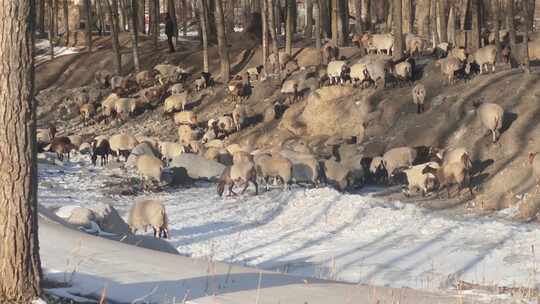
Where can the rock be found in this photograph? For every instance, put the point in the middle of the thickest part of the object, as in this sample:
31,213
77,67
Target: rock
141,149
198,167
77,216
109,220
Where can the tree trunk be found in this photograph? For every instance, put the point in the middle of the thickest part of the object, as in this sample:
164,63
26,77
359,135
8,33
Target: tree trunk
390,17
464,13
359,28
20,266
294,13
272,27
510,22
422,17
133,29
55,16
475,24
441,18
326,20
495,9
51,30
407,16
452,26
122,17
171,9
100,16
433,22
184,18
222,42
41,20
245,14
88,25
289,27
308,33
112,7
66,21
335,26
318,24
264,20
141,11
204,31
156,22
343,21
398,30
526,61
277,14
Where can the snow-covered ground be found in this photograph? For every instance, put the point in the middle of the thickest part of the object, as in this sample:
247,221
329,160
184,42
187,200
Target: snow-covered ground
323,233
43,47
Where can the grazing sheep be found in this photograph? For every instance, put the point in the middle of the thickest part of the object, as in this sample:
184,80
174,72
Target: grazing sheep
186,134
449,66
403,71
45,136
149,167
238,90
103,150
454,155
419,95
86,111
398,158
484,57
242,172
125,107
175,103
336,174
290,89
168,70
414,45
108,105
378,170
177,89
305,168
381,43
149,213
255,72
144,78
122,144
441,50
239,116
61,146
491,115
185,118
76,140
417,179
338,72
450,174
360,74
170,150
226,125
274,166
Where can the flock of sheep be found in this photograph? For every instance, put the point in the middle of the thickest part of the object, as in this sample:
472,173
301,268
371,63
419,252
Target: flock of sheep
425,169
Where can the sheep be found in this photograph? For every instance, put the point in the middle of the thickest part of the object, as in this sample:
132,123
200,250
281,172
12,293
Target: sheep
108,105
61,146
441,50
170,150
85,148
337,71
290,89
175,103
101,138
144,78
45,136
226,125
397,158
185,118
200,84
168,70
305,166
417,179
238,91
151,94
449,66
453,173
186,134
330,51
209,135
403,71
239,116
419,95
491,116
122,144
208,79
125,107
414,45
454,155
379,42
505,54
103,78
103,150
76,140
377,71
87,111
149,213
360,74
274,166
336,174
485,56
116,82
240,172
255,72
149,167
377,169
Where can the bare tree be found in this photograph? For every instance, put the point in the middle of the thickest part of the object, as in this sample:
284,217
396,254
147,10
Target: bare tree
398,30
335,28
433,21
172,13
112,7
20,268
289,27
184,17
264,20
495,9
51,29
66,20
407,16
475,24
141,11
277,16
308,33
359,25
272,27
441,20
510,22
132,11
204,30
318,27
526,27
41,16
223,50
88,25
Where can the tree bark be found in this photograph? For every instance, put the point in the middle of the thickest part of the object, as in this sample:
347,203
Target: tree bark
222,42
343,22
272,27
441,18
475,24
20,266
335,26
122,17
88,26
245,14
55,16
398,29
359,26
318,28
496,24
155,26
264,20
433,22
422,17
171,9
41,19
112,7
326,24
464,12
452,26
51,29
133,29
277,14
407,16
510,22
308,33
526,61
184,17
289,27
204,31
66,21
141,11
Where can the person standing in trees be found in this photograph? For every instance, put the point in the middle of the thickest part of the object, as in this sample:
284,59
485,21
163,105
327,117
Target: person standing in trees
169,31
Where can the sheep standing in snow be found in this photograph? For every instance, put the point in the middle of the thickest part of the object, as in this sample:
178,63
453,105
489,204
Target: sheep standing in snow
170,150
419,95
242,172
492,116
149,213
122,144
101,149
336,174
62,146
150,168
417,179
274,166
398,158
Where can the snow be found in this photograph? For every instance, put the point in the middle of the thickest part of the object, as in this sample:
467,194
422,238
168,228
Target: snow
322,233
43,47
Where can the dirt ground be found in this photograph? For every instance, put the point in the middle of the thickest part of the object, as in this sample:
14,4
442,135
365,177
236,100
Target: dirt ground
502,176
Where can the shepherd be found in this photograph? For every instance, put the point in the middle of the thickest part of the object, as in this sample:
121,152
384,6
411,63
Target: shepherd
169,31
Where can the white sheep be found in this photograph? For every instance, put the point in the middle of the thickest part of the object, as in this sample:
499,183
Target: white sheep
116,82
170,150
454,155
122,144
186,134
417,179
185,118
144,78
449,66
398,158
336,70
239,116
149,167
149,213
336,174
419,95
86,111
306,167
403,71
125,107
177,89
453,173
76,140
414,44
492,116
360,74
274,166
243,172
226,124
175,103
484,57
383,43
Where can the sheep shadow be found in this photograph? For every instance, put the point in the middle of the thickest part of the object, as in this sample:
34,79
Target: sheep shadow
253,120
479,166
508,120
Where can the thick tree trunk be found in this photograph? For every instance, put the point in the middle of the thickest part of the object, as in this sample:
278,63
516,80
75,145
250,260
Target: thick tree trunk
398,29
326,25
55,16
122,17
475,24
289,27
156,21
343,21
184,17
20,266
41,19
510,22
526,61
223,50
272,28
390,15
335,25
204,30
66,21
100,16
359,24
433,22
452,26
245,14
264,20
464,12
88,25
441,19
407,16
496,13
422,17
133,29
112,7
308,33
277,14
51,30
141,10
171,9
